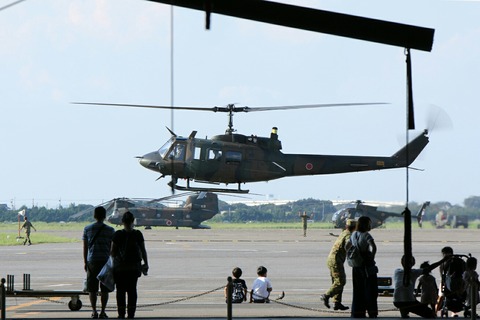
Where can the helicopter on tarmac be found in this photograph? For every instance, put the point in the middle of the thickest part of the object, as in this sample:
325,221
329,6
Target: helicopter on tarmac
378,217
236,158
198,207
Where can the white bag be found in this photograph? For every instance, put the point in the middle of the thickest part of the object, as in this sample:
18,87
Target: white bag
106,275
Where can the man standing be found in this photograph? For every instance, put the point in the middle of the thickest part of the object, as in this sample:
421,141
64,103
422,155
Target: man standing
27,225
97,239
335,262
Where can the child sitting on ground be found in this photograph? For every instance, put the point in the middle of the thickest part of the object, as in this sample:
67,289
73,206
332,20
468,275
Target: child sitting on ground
239,287
261,287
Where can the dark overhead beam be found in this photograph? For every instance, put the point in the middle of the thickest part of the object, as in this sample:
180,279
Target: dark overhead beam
339,24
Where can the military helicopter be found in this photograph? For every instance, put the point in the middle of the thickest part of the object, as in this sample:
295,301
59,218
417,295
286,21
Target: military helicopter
236,158
198,207
378,217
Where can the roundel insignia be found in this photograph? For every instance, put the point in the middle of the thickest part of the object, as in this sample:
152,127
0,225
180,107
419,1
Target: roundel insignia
309,166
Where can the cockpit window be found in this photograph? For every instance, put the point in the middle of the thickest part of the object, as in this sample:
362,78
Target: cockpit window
178,152
163,150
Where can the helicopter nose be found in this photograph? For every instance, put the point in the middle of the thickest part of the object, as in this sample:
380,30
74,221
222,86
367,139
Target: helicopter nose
150,160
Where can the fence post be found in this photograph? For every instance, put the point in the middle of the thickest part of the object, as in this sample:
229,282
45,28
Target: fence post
26,281
3,300
229,297
10,282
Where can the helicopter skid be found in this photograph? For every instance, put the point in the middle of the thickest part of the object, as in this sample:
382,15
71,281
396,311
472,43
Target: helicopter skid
223,190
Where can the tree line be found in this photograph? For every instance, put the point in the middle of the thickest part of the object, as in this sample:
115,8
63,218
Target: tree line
319,210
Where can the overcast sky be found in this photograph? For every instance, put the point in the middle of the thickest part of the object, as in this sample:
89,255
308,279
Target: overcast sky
54,52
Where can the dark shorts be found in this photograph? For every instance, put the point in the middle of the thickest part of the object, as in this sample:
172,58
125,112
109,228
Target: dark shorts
93,269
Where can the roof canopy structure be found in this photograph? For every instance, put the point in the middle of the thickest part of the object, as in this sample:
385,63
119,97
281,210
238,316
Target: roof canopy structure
356,27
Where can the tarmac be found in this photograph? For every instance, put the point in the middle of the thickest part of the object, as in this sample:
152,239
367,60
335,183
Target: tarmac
189,269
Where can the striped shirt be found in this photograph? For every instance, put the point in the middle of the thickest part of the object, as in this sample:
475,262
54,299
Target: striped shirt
99,250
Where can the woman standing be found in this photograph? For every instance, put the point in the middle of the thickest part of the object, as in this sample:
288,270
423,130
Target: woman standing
128,251
364,277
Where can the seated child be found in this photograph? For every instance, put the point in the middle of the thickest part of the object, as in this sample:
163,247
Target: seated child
261,287
239,287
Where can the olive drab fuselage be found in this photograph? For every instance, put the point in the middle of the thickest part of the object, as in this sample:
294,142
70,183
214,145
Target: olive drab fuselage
236,158
197,209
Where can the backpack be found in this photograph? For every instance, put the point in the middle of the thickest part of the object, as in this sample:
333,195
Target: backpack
238,293
354,255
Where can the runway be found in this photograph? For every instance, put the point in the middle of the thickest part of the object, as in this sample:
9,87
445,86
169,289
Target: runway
188,269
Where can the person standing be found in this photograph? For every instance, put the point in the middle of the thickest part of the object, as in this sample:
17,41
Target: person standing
335,262
27,225
305,218
128,251
364,277
97,239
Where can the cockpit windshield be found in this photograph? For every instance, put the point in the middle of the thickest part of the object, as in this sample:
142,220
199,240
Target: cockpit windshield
163,150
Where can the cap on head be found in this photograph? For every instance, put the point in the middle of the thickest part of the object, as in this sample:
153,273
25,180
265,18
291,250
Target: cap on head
351,222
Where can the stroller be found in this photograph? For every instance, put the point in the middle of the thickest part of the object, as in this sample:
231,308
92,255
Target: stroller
453,286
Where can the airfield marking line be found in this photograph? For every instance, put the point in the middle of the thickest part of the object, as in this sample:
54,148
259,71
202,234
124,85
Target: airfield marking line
29,304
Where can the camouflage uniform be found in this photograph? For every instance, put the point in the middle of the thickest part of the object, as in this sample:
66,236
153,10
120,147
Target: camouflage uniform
335,262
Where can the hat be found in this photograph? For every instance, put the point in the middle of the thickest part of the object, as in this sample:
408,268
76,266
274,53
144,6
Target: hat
350,222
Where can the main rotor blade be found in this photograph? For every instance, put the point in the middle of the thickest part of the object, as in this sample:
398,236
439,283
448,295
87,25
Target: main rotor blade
311,106
143,106
232,108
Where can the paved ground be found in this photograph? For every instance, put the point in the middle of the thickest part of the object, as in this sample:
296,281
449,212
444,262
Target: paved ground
191,266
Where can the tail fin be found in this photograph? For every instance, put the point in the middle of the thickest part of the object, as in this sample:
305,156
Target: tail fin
414,148
421,212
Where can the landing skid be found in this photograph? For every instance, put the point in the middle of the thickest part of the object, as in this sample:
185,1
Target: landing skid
223,190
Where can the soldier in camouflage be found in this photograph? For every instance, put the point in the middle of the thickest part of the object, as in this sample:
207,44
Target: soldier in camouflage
335,262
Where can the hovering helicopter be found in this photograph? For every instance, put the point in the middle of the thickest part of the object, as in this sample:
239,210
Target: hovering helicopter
237,158
199,206
378,217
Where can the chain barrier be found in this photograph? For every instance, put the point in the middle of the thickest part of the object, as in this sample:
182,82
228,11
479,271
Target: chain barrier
277,301
145,305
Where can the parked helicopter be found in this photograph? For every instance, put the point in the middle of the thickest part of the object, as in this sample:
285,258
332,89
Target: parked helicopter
378,217
237,158
199,206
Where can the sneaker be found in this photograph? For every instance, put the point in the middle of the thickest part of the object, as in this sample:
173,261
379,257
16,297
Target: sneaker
325,299
103,315
94,315
339,306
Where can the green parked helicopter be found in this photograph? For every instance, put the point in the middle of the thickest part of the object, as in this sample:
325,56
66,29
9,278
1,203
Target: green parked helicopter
377,217
233,158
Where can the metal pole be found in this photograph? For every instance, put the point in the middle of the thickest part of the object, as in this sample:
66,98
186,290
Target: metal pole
3,299
229,297
473,300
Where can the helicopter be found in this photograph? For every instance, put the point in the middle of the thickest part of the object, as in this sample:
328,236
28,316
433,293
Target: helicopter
198,207
233,158
378,217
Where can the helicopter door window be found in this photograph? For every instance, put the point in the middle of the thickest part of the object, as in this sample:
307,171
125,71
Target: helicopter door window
197,153
214,154
233,157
